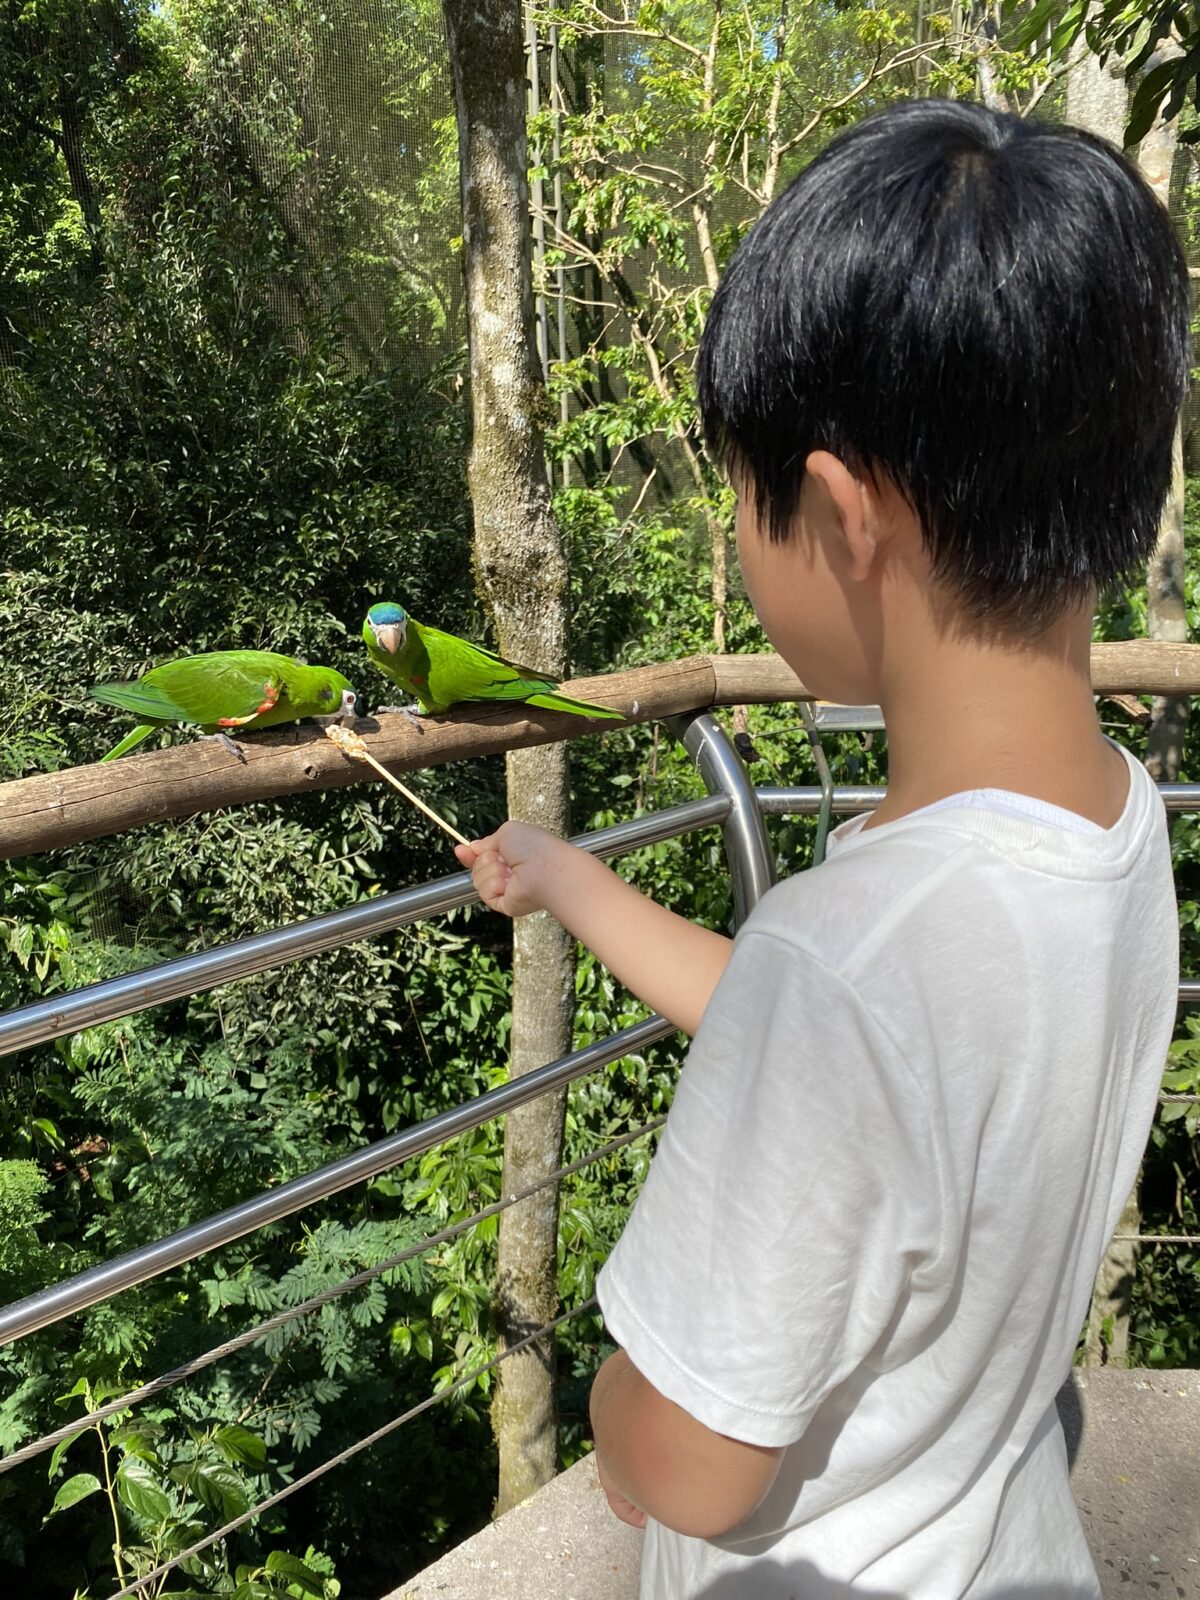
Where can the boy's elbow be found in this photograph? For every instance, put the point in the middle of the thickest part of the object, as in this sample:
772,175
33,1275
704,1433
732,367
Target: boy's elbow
717,1505
683,1474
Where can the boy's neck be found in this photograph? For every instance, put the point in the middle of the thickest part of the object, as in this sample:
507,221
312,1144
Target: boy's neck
968,713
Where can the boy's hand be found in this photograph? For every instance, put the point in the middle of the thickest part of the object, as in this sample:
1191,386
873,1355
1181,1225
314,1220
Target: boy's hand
512,867
670,964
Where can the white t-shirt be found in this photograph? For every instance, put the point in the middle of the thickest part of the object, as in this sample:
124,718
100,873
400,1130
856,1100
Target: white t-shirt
905,1131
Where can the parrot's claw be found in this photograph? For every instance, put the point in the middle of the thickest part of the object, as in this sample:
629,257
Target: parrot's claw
227,742
412,712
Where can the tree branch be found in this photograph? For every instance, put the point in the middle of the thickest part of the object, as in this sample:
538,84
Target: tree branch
56,809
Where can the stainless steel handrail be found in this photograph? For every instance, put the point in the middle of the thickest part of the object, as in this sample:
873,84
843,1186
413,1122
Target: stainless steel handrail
853,800
735,804
172,980
749,862
50,1019
64,1299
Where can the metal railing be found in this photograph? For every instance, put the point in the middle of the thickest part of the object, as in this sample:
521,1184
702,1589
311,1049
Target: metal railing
732,802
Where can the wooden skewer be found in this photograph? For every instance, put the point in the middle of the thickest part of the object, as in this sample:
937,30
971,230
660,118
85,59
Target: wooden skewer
351,744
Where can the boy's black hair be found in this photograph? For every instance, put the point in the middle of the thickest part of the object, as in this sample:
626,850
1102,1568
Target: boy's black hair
992,313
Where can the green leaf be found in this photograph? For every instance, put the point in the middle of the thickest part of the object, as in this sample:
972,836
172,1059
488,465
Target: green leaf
141,1491
134,1441
1150,94
222,1491
80,1388
294,1570
60,1451
72,1492
1034,24
1067,31
1180,1079
239,1446
442,1301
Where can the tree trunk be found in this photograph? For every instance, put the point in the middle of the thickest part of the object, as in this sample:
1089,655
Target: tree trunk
1096,95
1166,612
76,164
522,571
718,543
1096,100
1106,1342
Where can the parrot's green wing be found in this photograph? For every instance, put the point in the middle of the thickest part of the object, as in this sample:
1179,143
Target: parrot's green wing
221,685
459,670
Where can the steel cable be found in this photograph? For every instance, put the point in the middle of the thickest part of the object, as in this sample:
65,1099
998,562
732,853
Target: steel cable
351,1450
251,1335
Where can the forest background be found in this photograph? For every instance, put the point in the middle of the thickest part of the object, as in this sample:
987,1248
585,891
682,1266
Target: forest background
234,409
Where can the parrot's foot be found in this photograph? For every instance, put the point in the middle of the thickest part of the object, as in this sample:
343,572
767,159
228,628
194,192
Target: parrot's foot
227,742
412,712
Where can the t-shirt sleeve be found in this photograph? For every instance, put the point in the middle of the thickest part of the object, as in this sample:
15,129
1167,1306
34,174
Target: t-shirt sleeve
791,1206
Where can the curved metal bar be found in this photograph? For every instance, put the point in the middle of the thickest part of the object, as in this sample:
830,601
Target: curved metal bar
852,799
172,980
39,1310
805,801
751,864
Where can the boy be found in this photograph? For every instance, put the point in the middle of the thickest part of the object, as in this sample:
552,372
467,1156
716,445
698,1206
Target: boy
943,370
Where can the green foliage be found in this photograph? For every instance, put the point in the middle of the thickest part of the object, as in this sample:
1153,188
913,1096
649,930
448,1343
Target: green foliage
1156,43
23,1257
221,426
165,1496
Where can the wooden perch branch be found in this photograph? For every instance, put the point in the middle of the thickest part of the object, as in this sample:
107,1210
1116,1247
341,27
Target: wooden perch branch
64,808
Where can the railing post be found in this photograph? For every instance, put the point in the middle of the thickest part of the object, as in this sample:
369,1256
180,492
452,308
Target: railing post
746,845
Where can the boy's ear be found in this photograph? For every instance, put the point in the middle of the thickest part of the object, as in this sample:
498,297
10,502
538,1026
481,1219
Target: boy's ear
853,506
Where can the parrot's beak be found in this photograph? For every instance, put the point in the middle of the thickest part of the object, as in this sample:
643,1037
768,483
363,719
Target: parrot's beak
389,636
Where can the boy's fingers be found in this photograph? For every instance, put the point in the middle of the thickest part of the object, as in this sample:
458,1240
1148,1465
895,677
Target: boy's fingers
467,854
491,879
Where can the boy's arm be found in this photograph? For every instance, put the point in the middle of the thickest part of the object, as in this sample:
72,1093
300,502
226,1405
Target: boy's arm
670,963
655,1456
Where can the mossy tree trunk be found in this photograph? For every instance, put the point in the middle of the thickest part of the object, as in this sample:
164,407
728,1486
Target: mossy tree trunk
1107,1338
521,568
1166,611
1096,100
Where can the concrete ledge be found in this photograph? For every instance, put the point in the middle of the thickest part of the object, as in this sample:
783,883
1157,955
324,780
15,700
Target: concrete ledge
562,1544
1134,1442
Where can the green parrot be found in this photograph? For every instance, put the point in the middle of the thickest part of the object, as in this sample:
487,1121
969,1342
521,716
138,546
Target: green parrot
440,669
227,689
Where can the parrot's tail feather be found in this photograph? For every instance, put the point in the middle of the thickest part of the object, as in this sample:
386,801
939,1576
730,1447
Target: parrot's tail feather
143,700
131,740
581,708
